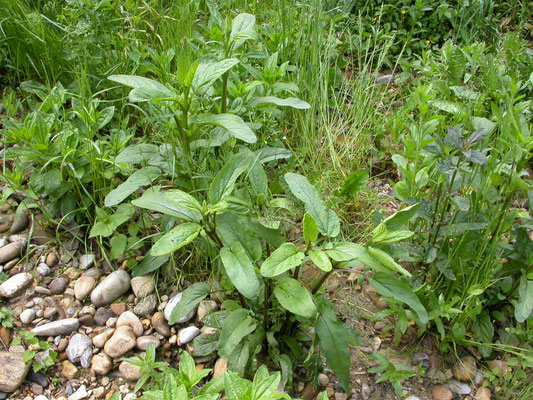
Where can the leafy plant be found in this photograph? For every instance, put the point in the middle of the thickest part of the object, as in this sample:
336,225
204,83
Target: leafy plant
150,369
32,343
6,317
394,373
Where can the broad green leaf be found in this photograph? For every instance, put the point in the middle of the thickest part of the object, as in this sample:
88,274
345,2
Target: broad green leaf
223,183
208,72
107,227
144,89
388,285
158,201
524,305
310,229
268,154
387,261
272,100
236,387
118,246
149,264
137,153
238,359
183,199
266,387
214,386
205,344
190,298
282,259
483,331
334,341
385,236
355,183
240,270
232,228
347,251
295,298
320,259
142,177
326,220
174,240
401,217
232,123
105,116
237,325
242,27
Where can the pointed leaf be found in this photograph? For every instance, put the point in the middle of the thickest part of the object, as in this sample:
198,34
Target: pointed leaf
295,298
320,259
190,298
158,201
223,183
240,270
237,325
272,100
208,72
142,177
232,123
310,229
175,239
284,258
144,89
524,306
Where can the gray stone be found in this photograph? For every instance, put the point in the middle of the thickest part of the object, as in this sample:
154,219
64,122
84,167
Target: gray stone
172,304
80,349
142,286
129,371
27,316
458,387
15,285
61,327
58,286
11,251
13,370
385,79
84,286
186,335
111,288
86,261
43,269
144,341
146,306
79,394
20,224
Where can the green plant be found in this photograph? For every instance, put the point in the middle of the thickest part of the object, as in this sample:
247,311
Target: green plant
394,373
44,359
150,369
6,317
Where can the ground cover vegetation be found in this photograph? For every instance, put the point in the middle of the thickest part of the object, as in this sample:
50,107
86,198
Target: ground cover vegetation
235,144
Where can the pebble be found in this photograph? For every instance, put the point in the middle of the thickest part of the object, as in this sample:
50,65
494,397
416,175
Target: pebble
144,341
122,341
499,366
323,380
172,304
146,306
458,387
20,224
465,369
84,286
69,371
40,397
13,370
16,284
142,286
51,259
186,335
36,389
118,308
365,391
61,327
58,286
43,269
205,308
412,398
86,261
111,288
42,290
440,392
129,371
483,393
37,377
27,316
62,345
10,251
100,339
101,364
49,313
79,394
80,349
160,325
130,319
102,315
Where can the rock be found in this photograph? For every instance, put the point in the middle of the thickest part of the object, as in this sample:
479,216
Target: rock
80,349
412,398
465,369
37,377
220,368
160,325
118,308
20,224
101,316
483,393
380,325
479,378
130,319
83,287
339,396
36,389
58,286
498,366
61,327
13,370
309,392
79,394
99,392
142,286
100,339
365,391
418,358
385,79
458,387
16,284
323,380
172,303
43,269
62,345
186,335
40,397
129,371
5,335
11,251
69,370
101,364
441,393
205,308
86,320
52,259
144,341
146,306
43,291
27,316
111,288
122,341
86,261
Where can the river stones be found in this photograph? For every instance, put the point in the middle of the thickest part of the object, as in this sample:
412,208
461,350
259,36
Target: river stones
122,341
111,288
61,327
15,285
11,251
13,370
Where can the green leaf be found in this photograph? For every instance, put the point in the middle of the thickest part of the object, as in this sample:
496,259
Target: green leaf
334,341
401,217
149,264
388,285
295,298
175,239
238,359
524,305
310,229
242,27
104,117
272,100
144,89
385,236
205,344
268,154
223,183
183,199
190,298
234,124
142,177
282,259
232,228
236,387
320,259
326,220
167,204
264,388
108,226
237,325
208,72
483,331
118,246
240,270
387,261
355,183
137,153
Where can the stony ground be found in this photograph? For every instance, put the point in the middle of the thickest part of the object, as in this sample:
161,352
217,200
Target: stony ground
94,317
